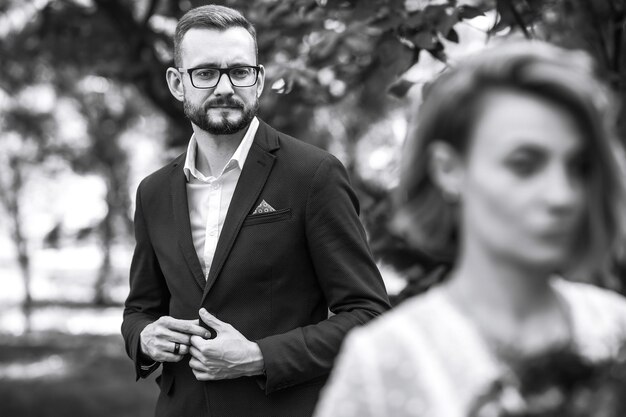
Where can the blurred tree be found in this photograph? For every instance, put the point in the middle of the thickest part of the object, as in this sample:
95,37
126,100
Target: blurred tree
318,54
26,143
333,66
108,114
33,57
599,27
25,146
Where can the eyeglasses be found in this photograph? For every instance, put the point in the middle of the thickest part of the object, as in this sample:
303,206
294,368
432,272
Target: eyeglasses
209,77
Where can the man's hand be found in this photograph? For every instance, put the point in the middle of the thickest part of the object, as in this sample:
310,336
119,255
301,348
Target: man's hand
159,339
228,355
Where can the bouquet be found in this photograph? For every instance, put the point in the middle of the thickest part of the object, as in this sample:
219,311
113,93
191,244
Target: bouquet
557,383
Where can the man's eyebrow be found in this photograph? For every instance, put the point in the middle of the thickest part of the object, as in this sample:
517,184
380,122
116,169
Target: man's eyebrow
213,65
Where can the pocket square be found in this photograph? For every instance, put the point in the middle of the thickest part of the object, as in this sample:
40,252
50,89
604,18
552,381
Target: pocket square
263,208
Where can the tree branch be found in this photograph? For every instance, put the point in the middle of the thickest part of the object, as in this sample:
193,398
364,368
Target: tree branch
519,20
149,12
597,28
618,45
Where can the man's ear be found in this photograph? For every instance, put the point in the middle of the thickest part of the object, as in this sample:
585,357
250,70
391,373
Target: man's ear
446,169
175,83
260,81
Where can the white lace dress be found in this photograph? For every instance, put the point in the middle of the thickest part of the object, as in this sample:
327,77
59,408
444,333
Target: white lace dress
425,359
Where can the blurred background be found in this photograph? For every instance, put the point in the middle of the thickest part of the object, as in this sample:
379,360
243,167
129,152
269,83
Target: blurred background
85,114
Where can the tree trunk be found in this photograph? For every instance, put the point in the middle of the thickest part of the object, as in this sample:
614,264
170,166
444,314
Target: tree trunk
19,240
106,242
117,209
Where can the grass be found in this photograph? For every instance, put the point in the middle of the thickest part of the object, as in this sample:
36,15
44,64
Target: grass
57,374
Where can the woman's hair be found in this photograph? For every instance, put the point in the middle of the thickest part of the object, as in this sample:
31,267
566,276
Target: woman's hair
209,17
454,103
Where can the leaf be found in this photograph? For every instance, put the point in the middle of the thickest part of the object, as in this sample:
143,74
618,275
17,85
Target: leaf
469,12
446,20
425,40
393,59
414,20
400,88
506,16
453,36
439,53
282,85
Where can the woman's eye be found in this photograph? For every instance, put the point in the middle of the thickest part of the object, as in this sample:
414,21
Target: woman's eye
580,166
524,165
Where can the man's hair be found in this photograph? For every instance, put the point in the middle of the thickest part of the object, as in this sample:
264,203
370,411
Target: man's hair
455,102
209,17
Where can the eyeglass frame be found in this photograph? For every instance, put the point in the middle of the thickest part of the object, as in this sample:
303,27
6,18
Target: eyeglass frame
222,71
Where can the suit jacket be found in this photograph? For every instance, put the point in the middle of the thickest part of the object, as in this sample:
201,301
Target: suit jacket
274,277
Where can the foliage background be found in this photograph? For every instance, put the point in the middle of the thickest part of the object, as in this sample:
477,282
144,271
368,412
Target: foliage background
85,114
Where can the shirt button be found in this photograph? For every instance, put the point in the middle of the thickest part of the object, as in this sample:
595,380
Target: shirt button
212,233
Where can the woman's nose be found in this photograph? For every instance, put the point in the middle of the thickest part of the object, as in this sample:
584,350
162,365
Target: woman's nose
562,191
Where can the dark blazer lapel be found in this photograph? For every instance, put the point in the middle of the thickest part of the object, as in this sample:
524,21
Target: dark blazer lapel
180,207
255,171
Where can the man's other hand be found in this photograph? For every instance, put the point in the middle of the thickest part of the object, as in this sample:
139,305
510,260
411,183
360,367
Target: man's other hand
228,355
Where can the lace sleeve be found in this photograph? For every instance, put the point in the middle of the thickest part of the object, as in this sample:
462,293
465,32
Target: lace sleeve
598,318
351,389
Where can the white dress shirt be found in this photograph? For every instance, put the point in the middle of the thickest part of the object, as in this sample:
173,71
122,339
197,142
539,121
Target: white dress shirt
209,197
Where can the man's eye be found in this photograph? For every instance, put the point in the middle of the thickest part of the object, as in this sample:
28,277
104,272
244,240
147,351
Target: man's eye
206,73
240,72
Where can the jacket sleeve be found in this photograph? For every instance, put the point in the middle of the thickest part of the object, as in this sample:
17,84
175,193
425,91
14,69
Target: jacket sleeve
347,275
148,298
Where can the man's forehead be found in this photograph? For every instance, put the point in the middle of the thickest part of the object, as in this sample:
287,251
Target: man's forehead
201,46
202,38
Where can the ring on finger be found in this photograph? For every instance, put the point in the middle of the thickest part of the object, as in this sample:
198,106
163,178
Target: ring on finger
176,348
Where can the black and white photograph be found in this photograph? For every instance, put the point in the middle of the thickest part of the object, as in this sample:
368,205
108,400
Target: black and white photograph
313,208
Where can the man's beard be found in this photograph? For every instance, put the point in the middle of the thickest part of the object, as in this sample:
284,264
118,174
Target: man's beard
220,125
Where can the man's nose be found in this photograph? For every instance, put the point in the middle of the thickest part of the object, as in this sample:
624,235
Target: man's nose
223,86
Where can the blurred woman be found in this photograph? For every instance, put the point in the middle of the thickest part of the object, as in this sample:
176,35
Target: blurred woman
511,171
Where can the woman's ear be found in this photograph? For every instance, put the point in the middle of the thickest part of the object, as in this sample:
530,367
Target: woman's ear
446,170
175,83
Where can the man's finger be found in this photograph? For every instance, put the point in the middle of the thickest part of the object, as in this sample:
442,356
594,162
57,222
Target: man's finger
176,336
189,327
197,344
202,376
167,357
211,320
170,346
197,365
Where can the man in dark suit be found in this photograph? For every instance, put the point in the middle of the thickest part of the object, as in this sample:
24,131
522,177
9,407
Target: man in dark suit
253,226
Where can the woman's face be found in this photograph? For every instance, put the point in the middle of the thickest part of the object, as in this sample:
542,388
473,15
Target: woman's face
523,181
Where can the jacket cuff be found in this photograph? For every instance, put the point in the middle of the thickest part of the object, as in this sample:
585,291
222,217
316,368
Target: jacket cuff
144,365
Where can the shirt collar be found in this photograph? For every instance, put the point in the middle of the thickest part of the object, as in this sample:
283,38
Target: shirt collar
238,158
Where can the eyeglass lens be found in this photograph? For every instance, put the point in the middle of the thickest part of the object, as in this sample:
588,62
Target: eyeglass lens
209,77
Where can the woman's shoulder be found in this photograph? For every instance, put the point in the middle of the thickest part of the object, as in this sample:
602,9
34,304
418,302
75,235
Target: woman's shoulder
423,320
598,317
416,309
586,295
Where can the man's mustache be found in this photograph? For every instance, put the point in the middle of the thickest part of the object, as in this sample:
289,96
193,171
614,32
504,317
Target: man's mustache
223,103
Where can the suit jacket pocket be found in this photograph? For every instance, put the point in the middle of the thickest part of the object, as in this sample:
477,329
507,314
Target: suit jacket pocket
165,381
275,216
